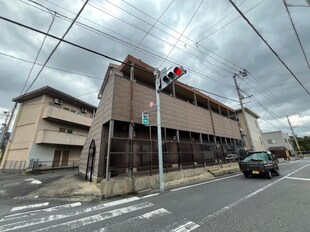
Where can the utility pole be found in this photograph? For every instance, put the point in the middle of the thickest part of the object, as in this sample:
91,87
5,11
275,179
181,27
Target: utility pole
294,136
5,127
249,137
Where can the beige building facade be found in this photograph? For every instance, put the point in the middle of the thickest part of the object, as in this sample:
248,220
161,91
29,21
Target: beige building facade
50,127
250,130
196,129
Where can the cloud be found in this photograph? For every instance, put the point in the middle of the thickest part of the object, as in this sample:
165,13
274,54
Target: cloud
115,28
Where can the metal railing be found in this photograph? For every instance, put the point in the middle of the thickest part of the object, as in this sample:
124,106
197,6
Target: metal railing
142,156
38,166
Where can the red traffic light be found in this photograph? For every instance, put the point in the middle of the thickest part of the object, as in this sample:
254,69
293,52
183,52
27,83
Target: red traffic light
178,71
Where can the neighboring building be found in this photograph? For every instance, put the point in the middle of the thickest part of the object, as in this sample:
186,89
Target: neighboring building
50,126
279,143
252,141
196,129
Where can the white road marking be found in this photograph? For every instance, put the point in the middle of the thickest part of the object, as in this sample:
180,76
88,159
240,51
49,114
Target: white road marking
181,226
35,221
297,178
147,216
189,226
30,206
33,212
33,181
224,209
96,218
150,195
208,182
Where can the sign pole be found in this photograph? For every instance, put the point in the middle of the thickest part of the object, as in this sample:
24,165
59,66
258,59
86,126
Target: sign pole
159,141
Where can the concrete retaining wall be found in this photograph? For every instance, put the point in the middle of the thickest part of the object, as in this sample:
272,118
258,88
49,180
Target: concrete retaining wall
122,186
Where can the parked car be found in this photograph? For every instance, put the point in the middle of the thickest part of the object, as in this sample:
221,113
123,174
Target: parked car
260,163
231,157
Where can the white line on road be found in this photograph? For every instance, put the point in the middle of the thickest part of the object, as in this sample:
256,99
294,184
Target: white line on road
30,206
150,195
208,182
96,218
33,212
33,181
147,216
297,178
189,226
224,209
35,221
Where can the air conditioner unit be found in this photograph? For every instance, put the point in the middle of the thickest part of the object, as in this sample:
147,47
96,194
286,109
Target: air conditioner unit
84,110
58,101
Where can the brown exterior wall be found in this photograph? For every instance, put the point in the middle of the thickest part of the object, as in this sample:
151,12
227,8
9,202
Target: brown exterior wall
175,113
103,115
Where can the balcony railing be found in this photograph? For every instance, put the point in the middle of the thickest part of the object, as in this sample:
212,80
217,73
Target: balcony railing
67,115
55,137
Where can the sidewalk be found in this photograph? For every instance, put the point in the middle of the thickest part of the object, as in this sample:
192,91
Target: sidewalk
75,187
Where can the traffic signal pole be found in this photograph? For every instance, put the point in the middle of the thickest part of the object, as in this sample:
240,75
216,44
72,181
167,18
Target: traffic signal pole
159,141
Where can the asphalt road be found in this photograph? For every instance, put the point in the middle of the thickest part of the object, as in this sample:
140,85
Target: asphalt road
231,203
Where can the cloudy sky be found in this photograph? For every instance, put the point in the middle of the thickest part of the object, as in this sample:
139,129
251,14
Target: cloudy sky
207,37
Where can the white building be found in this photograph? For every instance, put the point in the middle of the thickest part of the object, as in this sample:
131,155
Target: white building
277,140
250,130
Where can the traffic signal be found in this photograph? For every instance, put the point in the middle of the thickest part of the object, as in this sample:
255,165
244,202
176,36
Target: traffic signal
167,78
145,118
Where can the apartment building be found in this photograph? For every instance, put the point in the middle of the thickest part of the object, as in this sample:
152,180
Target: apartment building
50,127
196,129
279,143
250,130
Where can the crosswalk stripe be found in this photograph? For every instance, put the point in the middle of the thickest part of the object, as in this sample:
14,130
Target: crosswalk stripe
189,226
35,221
33,212
96,218
29,206
181,226
147,216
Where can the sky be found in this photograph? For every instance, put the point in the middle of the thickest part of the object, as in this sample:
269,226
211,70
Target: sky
208,38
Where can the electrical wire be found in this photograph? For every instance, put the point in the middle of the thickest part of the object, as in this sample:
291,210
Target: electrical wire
252,8
271,49
151,26
191,40
146,51
57,45
296,33
49,67
182,32
224,17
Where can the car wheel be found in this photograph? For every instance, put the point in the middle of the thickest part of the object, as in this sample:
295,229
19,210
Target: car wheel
277,172
269,174
246,175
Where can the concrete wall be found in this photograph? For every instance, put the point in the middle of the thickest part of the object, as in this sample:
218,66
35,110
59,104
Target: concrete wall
281,139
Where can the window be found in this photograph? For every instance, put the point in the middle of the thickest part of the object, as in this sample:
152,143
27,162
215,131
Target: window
69,131
62,129
271,141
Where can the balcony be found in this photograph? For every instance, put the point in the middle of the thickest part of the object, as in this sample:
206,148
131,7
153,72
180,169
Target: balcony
66,115
61,138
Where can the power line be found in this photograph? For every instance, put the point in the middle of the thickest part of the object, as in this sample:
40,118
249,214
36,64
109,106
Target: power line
230,22
50,67
182,32
295,30
57,45
143,50
225,16
152,25
207,49
269,46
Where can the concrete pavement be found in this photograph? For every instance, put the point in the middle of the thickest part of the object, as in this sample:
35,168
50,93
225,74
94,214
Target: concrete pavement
73,186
